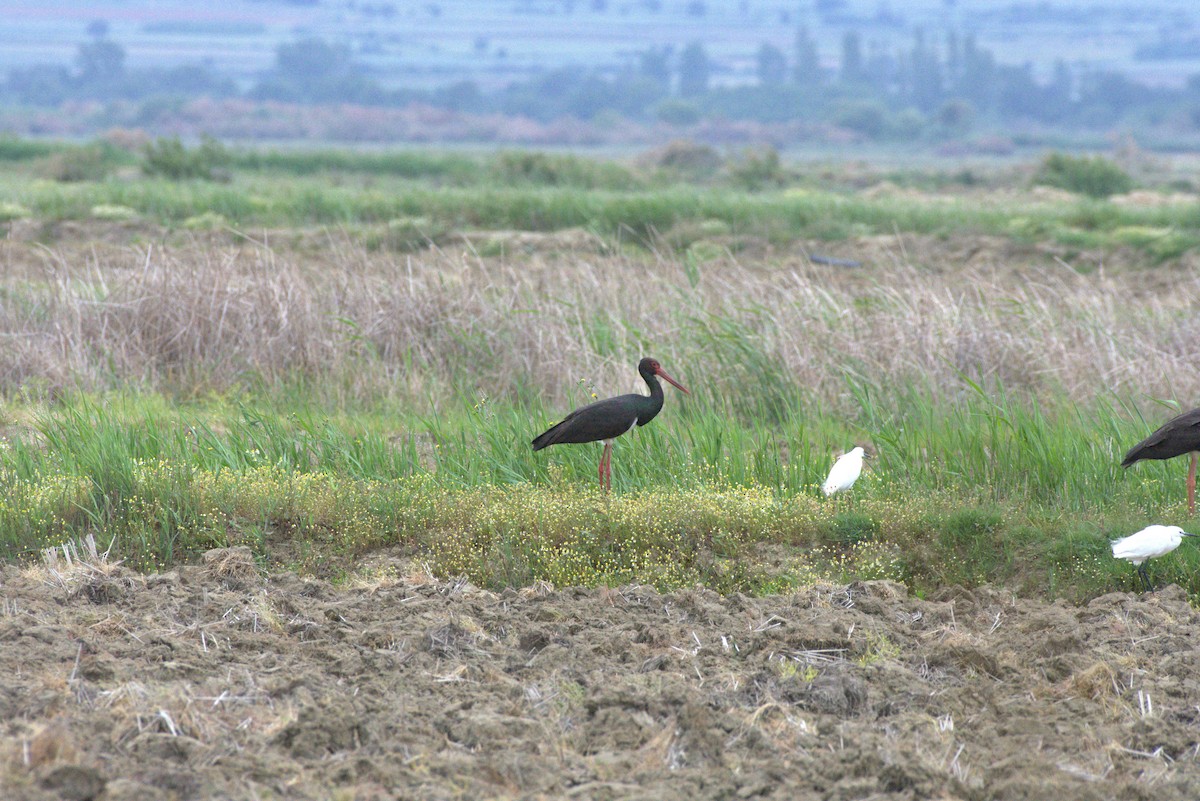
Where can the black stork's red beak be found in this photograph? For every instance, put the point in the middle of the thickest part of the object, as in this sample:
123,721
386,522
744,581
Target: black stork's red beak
661,374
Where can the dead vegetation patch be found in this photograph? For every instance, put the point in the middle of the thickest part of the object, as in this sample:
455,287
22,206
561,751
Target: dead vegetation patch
199,312
235,567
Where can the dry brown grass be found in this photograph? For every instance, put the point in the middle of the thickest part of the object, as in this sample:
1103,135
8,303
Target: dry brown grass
210,315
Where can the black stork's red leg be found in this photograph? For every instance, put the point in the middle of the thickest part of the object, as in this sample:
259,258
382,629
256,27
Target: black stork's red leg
606,466
1191,486
604,421
1175,437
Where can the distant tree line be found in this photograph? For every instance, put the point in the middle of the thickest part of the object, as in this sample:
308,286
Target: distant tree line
100,73
945,87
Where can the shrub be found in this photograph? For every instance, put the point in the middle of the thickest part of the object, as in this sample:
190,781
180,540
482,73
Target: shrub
757,169
88,163
866,117
168,158
955,115
687,160
675,111
13,148
10,211
1093,176
544,169
907,125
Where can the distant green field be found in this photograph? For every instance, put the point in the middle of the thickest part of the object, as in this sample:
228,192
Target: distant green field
413,198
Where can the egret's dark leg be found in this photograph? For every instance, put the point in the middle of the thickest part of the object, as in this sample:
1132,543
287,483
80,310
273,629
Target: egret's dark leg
1146,585
1191,485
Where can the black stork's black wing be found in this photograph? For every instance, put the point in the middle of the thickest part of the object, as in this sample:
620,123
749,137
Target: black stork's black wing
606,419
1175,437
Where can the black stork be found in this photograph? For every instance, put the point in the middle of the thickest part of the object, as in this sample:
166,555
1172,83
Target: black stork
1175,437
604,421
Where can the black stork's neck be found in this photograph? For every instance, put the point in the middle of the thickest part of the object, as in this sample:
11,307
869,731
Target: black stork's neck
651,406
656,390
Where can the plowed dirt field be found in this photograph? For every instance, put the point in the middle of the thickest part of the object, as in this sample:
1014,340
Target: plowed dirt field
213,681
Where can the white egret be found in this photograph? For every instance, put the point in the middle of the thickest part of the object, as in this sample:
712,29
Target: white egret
1146,544
845,472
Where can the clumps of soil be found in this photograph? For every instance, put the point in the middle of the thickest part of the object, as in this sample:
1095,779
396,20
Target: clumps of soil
215,681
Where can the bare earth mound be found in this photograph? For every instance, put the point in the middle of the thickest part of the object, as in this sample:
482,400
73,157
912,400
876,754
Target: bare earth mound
211,682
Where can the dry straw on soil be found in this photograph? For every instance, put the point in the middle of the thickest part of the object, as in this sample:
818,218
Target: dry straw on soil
426,326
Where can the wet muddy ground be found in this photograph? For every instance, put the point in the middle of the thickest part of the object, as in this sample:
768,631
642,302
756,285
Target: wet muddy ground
213,681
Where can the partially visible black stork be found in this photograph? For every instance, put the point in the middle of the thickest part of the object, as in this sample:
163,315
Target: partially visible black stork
604,421
1175,437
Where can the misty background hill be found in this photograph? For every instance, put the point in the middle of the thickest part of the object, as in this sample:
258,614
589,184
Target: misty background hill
950,73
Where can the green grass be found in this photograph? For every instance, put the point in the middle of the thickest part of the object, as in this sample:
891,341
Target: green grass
447,168
15,149
636,216
981,491
539,192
